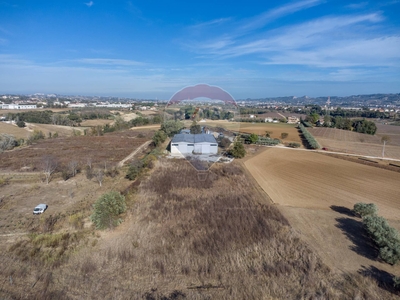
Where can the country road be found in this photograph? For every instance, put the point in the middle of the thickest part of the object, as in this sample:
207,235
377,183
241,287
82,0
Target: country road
121,163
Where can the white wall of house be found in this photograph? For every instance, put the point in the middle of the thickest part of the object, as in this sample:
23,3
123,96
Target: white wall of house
188,148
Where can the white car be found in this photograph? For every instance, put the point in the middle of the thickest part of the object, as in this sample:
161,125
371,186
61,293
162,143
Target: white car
39,209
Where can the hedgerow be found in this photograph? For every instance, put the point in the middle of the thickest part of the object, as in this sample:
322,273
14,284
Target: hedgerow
385,237
312,142
364,209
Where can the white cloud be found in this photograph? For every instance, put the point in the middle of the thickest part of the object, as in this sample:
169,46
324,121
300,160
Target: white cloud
89,4
109,61
323,42
271,15
357,5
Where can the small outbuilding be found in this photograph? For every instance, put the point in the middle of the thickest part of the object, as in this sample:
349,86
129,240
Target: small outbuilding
194,143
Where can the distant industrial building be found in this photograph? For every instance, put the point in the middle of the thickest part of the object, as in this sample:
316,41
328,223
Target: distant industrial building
18,106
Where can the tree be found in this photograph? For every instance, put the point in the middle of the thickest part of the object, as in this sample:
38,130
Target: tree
238,150
73,167
312,118
49,166
99,173
195,128
7,142
171,127
253,138
225,142
159,138
284,135
107,210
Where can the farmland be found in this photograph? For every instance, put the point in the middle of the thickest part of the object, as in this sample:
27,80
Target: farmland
110,148
316,193
259,128
357,143
182,238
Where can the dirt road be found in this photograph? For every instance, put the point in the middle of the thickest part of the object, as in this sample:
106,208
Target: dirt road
121,163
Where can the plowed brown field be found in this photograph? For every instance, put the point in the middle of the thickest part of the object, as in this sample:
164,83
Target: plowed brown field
312,180
316,194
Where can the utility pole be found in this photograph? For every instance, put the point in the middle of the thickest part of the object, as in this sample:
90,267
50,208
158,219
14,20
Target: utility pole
383,149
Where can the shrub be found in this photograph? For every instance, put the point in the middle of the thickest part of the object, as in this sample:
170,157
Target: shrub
385,237
225,142
294,145
133,172
238,150
159,138
284,135
253,138
76,221
21,124
107,210
364,209
7,142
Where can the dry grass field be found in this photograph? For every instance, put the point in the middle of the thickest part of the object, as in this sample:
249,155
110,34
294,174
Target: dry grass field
96,122
357,143
110,149
19,133
316,193
181,239
392,131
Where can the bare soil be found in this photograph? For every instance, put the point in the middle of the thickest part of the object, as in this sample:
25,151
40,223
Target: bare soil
357,143
316,194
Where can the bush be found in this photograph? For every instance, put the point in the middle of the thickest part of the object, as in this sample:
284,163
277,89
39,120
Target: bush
225,142
294,145
365,209
238,150
284,135
21,124
253,138
159,138
134,170
7,142
107,210
385,237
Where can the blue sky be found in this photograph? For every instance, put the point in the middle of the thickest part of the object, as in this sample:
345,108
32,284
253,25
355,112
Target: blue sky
151,49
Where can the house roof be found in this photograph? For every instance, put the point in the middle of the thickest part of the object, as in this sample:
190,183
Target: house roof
193,138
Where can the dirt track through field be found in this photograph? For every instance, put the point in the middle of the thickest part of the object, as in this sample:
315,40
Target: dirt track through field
316,194
121,163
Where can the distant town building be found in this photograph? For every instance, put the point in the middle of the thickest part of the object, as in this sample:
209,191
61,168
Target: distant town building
77,105
268,120
18,106
293,120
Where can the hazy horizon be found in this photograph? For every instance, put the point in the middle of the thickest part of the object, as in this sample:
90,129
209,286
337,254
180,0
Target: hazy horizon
148,50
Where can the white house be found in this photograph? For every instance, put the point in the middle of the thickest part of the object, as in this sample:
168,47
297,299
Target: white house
194,143
268,120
